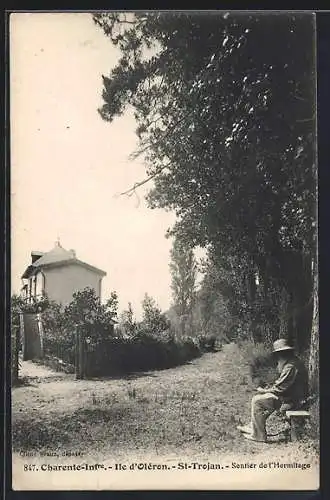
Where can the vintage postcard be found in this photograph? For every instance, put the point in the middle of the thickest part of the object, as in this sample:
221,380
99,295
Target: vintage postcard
164,302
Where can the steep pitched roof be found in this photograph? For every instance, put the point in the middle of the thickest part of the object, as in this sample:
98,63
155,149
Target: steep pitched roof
58,256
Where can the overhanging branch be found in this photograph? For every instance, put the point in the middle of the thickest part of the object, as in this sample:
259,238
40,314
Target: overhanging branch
132,190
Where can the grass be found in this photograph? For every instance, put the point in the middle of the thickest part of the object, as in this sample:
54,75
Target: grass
192,410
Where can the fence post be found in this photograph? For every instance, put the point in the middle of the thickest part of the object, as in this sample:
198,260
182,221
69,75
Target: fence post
41,334
80,354
77,358
17,346
23,336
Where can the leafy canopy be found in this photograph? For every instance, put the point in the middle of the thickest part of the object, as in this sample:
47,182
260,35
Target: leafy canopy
225,112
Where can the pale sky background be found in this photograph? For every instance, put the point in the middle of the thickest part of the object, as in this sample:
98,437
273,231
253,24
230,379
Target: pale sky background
67,164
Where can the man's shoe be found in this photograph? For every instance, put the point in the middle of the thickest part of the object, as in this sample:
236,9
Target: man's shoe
247,429
252,438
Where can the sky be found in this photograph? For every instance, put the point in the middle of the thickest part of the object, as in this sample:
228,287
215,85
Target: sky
68,165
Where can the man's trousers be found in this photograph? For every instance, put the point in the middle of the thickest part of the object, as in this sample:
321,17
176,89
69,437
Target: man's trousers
262,406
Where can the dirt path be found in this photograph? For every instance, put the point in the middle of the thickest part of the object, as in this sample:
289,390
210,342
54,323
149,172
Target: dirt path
30,370
187,412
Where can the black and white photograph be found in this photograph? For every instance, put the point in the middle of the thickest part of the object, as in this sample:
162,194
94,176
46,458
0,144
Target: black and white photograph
164,250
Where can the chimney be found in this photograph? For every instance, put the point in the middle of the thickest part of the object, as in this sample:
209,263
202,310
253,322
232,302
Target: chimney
73,253
35,256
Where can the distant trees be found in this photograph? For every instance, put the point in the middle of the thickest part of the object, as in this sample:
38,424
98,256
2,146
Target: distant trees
154,322
127,324
183,269
216,317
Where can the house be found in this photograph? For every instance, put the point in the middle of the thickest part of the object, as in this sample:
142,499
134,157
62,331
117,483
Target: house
57,274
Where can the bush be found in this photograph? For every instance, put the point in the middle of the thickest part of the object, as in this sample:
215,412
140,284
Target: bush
207,343
95,318
85,312
262,367
153,345
59,338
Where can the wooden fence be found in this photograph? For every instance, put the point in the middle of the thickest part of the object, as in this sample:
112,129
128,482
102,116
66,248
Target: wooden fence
15,349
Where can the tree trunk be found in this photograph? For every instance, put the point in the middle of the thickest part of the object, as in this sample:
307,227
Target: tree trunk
251,296
314,345
283,315
268,327
182,325
300,284
79,354
41,335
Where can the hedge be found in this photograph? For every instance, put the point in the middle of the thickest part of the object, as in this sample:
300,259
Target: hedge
126,355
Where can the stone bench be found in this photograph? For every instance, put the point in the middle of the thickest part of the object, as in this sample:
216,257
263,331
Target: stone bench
297,420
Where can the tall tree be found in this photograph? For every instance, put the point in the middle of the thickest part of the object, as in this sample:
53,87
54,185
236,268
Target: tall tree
154,322
214,303
225,107
183,273
127,323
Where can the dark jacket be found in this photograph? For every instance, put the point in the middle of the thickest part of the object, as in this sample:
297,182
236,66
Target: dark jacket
292,384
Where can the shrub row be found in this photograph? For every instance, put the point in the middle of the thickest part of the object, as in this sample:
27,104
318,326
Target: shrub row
127,355
119,355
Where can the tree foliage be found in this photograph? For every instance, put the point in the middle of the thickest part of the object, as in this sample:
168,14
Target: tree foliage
127,323
86,310
19,304
183,269
154,322
225,111
218,314
16,307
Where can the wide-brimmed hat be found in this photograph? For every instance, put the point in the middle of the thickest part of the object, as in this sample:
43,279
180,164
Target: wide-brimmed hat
281,345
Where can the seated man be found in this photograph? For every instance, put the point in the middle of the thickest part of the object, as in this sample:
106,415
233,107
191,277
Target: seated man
290,389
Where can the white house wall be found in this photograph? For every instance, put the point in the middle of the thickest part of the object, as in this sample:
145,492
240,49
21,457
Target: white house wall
39,284
62,282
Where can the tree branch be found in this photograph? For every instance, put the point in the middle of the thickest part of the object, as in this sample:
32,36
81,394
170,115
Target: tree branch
132,190
202,74
138,153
